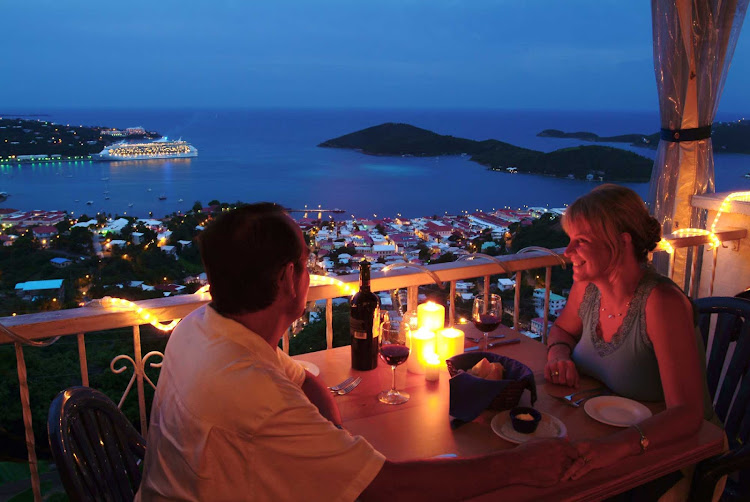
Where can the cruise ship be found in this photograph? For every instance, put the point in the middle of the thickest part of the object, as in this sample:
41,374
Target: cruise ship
146,150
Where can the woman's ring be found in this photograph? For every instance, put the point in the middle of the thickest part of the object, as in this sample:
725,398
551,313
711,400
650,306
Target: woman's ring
555,373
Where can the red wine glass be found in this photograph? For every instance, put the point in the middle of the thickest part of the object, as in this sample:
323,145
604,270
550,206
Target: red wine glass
395,346
486,314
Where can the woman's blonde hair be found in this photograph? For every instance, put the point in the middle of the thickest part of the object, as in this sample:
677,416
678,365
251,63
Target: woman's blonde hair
610,210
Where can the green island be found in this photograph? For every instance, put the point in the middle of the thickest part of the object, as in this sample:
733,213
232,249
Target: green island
25,140
727,137
599,163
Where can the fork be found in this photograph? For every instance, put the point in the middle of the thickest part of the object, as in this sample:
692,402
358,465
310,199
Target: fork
600,391
570,397
348,388
339,386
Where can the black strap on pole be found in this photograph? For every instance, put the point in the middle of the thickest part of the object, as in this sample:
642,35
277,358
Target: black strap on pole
678,135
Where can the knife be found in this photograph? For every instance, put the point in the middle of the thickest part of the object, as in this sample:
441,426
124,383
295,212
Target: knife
496,344
479,339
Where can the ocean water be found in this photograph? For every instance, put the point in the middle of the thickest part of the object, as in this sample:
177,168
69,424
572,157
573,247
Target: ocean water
271,155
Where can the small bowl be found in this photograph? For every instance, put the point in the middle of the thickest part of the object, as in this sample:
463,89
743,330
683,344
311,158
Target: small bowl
521,425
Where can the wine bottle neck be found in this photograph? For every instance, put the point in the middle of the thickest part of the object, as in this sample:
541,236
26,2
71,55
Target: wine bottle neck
364,277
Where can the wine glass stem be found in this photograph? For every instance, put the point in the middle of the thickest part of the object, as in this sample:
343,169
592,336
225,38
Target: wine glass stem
486,341
393,382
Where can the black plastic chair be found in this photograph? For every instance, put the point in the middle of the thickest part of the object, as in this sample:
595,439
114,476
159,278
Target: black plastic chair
97,450
728,355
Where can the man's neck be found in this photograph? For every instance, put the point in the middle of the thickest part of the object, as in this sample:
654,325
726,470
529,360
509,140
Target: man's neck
267,323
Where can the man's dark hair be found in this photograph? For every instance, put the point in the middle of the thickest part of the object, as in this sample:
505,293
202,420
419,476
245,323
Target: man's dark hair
244,251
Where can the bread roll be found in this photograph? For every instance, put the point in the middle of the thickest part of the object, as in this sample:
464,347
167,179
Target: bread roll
487,370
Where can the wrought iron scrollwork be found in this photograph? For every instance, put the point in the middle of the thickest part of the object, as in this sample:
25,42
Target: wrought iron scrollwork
422,268
136,370
482,256
559,257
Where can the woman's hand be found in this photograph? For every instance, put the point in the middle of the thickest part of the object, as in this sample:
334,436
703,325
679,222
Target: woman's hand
561,371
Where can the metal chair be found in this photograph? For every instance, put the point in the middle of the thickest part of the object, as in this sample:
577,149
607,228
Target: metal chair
728,374
96,449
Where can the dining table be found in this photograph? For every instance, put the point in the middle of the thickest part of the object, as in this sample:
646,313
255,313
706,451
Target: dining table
422,428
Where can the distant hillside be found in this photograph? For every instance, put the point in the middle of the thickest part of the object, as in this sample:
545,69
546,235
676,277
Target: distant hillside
634,139
727,137
402,139
610,164
20,136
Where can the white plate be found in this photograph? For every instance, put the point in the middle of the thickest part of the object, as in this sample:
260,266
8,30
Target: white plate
549,427
310,367
616,410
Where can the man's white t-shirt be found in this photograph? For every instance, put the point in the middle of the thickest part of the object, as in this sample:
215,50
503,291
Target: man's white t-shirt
230,422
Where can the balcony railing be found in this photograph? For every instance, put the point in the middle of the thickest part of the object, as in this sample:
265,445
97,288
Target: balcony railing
41,329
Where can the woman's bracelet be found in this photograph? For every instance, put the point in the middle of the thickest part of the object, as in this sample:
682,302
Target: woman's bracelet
570,347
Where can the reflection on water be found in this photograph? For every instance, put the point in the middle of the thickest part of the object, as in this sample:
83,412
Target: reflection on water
153,163
397,169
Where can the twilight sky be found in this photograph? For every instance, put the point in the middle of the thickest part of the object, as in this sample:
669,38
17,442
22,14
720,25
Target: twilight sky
548,54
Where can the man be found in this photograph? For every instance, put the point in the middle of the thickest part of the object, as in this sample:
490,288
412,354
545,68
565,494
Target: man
235,418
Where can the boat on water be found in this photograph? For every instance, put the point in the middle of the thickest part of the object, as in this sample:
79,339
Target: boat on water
162,197
747,175
162,148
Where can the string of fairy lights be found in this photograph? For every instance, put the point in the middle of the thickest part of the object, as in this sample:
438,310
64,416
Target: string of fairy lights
346,289
147,317
665,245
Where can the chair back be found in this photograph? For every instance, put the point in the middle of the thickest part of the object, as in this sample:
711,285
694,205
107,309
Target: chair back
727,342
96,449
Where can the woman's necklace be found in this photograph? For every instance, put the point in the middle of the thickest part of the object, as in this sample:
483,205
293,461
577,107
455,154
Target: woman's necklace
617,314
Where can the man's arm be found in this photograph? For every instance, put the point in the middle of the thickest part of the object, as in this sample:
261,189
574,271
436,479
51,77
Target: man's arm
319,395
537,463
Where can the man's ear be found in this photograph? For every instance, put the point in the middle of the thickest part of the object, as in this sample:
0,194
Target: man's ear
626,238
286,279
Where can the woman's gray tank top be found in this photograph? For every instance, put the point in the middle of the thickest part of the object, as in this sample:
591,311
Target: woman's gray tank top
627,364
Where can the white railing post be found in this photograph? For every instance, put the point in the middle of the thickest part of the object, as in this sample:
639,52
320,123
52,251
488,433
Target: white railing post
82,360
139,370
517,301
452,304
713,272
26,409
693,286
547,288
412,298
329,323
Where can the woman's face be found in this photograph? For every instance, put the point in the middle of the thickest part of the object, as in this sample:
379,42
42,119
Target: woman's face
590,255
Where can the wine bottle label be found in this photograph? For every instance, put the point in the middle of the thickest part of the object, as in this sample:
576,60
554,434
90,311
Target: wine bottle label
359,335
358,329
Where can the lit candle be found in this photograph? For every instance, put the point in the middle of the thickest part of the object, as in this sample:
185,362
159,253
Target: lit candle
431,315
432,367
422,343
450,342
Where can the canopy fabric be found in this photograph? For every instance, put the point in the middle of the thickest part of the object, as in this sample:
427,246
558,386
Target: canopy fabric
694,41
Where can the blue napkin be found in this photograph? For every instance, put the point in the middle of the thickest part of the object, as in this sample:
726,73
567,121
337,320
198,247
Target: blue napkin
470,395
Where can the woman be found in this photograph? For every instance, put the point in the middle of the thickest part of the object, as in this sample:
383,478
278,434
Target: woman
625,325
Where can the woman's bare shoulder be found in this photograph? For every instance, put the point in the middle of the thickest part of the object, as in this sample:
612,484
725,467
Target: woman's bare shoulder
669,313
667,295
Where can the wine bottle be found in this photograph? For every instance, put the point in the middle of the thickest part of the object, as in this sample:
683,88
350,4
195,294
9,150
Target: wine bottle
364,323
